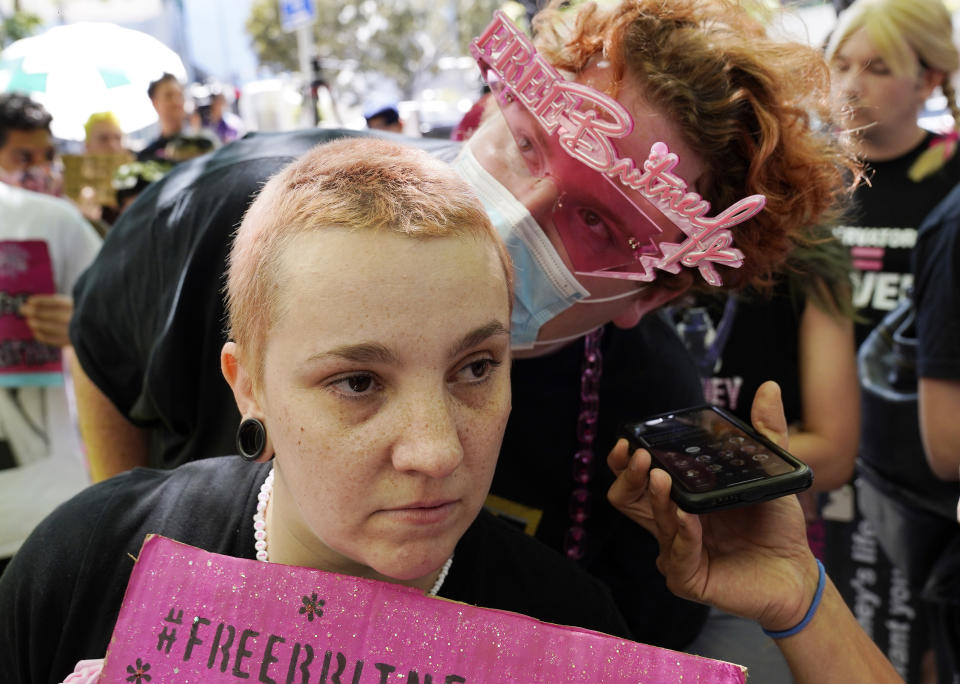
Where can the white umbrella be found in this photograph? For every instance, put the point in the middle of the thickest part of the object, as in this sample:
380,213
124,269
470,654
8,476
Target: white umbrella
78,69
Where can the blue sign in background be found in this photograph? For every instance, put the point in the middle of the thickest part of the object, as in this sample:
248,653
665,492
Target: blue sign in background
295,13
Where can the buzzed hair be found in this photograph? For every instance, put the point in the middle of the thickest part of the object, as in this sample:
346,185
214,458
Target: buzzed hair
356,183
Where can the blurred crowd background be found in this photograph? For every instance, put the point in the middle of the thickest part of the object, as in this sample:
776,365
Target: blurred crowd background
247,65
264,65
411,52
114,93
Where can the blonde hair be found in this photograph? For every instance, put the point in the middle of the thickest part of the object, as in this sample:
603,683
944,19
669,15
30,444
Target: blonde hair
361,184
98,118
748,104
908,33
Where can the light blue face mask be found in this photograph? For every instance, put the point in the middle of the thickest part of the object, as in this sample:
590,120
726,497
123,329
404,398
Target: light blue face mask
544,286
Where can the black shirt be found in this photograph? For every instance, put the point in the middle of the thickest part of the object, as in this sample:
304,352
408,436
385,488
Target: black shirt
937,291
882,230
740,344
646,370
154,151
891,446
61,594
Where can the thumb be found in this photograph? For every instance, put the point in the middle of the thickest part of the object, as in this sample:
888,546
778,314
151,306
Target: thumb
767,415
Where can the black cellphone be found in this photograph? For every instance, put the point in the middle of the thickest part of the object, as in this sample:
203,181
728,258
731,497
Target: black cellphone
715,460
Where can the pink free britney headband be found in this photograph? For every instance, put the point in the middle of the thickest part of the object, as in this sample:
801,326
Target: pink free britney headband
566,130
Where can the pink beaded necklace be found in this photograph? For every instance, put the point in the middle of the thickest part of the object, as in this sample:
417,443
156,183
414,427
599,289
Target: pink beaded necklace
574,542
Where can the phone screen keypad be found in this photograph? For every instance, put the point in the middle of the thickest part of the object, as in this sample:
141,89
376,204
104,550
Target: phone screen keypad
706,453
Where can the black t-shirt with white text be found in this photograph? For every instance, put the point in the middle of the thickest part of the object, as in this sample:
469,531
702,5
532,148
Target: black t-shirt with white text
881,230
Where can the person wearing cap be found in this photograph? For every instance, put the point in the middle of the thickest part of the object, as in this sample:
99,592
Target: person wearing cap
382,114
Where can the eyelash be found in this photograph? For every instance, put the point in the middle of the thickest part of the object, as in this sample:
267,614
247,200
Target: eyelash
525,146
353,395
875,69
529,150
491,365
596,223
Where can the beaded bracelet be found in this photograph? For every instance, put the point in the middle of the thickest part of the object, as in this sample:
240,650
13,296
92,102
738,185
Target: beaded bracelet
810,612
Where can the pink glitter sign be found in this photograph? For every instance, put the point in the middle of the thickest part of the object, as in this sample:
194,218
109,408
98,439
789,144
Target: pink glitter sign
25,270
193,616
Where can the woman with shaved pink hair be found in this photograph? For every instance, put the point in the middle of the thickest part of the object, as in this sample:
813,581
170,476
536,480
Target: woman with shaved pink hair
374,403
638,149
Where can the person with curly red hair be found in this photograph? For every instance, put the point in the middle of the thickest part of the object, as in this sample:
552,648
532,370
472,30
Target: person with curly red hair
672,145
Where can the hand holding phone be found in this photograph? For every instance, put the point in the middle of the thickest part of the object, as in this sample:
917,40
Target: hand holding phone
716,461
747,561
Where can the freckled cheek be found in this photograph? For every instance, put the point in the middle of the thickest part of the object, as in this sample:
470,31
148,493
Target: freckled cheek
333,473
303,444
482,434
326,445
302,421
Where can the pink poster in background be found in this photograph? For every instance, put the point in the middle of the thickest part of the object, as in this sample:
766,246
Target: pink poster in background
193,616
25,269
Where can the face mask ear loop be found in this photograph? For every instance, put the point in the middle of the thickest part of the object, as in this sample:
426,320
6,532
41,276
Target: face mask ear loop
613,298
558,340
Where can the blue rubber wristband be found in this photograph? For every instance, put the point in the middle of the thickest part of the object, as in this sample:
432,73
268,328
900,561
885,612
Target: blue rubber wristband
821,583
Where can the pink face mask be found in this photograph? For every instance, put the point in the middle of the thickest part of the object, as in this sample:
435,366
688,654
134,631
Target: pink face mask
617,219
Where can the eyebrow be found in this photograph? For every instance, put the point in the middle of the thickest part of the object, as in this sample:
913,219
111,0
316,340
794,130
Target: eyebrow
478,336
364,352
374,352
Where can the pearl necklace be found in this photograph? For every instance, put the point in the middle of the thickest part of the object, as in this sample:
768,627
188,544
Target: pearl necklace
260,533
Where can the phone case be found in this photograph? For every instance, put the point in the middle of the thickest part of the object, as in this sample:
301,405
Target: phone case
796,478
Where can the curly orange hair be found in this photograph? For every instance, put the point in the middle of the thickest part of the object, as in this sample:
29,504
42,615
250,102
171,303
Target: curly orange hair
754,107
